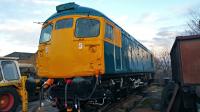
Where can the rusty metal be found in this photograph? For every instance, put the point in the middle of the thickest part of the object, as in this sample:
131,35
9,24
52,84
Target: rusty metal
24,94
185,57
171,107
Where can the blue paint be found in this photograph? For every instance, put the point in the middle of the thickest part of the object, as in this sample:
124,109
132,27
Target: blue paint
135,59
109,58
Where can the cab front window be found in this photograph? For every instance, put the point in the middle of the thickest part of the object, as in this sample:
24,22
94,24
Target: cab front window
45,35
87,28
65,23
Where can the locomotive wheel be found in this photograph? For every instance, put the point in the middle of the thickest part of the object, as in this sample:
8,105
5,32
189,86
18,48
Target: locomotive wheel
9,99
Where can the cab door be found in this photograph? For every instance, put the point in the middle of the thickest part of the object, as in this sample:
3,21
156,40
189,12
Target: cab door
112,48
87,46
61,48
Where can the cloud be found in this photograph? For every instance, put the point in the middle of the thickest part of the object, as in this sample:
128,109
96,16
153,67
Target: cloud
152,28
147,30
184,8
17,30
121,20
163,42
17,35
148,18
167,33
165,37
45,2
27,9
162,38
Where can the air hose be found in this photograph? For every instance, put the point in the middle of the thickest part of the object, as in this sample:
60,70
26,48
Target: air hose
41,96
66,86
89,96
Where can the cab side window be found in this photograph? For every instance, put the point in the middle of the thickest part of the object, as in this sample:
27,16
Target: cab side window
45,35
1,76
109,31
65,23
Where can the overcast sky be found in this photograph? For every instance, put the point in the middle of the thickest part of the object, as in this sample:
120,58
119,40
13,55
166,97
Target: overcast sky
155,23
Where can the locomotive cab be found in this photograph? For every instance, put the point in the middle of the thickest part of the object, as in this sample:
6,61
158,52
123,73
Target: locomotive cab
71,43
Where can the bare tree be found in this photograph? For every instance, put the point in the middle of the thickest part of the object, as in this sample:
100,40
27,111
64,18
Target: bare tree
194,22
162,64
165,63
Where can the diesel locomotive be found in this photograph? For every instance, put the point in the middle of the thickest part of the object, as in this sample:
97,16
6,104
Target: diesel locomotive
88,57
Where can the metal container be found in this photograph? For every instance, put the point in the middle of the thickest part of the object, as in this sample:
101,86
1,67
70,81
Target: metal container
185,59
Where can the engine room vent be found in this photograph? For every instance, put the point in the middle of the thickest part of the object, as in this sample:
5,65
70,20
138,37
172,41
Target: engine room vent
67,6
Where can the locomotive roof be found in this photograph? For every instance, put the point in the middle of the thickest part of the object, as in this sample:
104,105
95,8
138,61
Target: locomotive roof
182,38
75,9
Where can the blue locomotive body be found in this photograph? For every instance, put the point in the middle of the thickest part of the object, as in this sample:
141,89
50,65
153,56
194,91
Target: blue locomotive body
132,58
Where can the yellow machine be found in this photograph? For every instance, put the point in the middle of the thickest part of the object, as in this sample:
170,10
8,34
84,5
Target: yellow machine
86,54
12,86
72,56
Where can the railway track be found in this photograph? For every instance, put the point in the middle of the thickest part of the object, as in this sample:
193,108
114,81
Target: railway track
124,104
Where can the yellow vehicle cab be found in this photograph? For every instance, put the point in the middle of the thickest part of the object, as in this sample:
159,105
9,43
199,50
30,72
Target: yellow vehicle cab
12,86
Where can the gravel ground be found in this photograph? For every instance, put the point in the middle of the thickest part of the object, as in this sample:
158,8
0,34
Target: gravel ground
151,101
127,104
34,107
147,101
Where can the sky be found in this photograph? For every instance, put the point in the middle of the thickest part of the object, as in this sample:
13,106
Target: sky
155,23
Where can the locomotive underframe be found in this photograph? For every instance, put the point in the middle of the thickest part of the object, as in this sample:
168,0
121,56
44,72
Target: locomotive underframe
95,91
